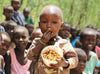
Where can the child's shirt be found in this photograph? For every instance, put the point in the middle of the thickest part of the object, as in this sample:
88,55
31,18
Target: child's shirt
16,67
41,68
91,64
28,20
74,41
18,17
2,28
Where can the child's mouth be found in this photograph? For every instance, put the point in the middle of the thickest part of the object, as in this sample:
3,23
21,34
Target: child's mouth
90,47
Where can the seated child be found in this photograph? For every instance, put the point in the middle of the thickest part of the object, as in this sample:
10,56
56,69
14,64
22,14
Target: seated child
27,19
4,45
64,32
88,40
19,63
8,13
18,17
50,23
82,58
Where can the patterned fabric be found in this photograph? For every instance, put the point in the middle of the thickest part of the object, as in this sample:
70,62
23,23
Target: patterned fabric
17,68
68,50
18,18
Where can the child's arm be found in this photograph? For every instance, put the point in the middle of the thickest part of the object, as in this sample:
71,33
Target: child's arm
38,45
7,59
70,55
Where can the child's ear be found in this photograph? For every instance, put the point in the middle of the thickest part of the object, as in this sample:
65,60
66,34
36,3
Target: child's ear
62,23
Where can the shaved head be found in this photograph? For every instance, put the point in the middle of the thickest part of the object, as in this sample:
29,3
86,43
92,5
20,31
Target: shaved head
51,9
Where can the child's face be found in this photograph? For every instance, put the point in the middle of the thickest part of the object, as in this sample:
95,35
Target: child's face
64,32
36,35
26,14
74,32
82,63
10,29
30,28
51,22
5,42
88,41
16,5
8,13
21,39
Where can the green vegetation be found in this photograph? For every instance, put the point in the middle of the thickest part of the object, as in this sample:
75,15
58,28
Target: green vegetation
79,13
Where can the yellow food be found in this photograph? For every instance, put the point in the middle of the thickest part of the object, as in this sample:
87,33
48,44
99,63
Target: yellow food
51,55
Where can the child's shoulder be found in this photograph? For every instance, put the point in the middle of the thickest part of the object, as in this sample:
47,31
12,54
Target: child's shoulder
93,54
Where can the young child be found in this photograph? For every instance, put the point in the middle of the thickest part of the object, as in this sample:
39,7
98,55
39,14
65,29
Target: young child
30,30
88,40
73,33
64,32
4,45
27,19
82,58
50,23
18,17
36,33
19,62
9,28
8,13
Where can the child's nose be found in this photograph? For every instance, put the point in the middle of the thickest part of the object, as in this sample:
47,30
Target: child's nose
20,39
49,25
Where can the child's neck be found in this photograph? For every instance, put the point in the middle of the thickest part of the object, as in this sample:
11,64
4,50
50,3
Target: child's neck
19,52
74,72
7,19
87,53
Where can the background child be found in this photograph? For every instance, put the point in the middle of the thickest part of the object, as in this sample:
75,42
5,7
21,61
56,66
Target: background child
19,62
82,58
8,13
73,33
30,30
18,17
27,19
50,23
4,45
36,33
88,40
64,32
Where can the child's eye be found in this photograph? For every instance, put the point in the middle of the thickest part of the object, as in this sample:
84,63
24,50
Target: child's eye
54,22
23,37
44,21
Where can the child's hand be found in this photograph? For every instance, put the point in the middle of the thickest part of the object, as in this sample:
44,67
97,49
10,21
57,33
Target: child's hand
46,36
60,63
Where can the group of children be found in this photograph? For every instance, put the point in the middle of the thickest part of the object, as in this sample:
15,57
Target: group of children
21,44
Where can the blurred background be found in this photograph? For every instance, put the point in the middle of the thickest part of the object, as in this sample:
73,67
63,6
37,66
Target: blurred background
79,13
